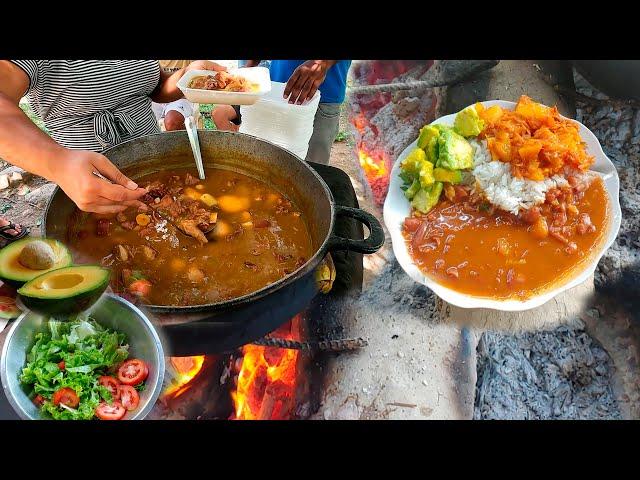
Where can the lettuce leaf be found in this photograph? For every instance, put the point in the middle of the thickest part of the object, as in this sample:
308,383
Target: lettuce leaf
88,350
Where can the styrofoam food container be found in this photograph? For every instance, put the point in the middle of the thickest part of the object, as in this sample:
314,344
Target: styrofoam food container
397,208
259,75
273,118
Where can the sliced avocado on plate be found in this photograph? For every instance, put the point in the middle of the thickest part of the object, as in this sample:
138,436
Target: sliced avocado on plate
25,259
468,123
455,152
427,198
66,290
445,175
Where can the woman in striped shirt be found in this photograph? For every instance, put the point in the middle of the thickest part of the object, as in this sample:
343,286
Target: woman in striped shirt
87,106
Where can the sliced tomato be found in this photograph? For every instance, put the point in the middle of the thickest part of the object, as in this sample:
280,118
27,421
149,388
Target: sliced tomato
61,365
129,397
38,400
67,397
133,372
115,411
112,384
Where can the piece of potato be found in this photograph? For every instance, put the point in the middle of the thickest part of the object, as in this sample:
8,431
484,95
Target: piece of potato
192,193
208,200
233,203
222,229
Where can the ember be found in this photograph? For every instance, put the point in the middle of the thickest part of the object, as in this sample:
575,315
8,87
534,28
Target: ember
186,369
267,380
369,112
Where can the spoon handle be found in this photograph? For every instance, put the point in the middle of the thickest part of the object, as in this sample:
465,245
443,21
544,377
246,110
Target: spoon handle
195,145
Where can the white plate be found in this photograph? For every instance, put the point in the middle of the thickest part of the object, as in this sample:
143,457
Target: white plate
259,75
397,208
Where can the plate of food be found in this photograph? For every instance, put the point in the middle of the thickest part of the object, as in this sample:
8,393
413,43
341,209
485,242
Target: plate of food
240,86
503,205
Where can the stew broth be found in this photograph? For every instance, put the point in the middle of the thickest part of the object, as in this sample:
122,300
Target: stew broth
200,242
499,255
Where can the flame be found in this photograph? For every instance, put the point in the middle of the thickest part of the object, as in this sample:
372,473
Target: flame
372,168
186,369
266,383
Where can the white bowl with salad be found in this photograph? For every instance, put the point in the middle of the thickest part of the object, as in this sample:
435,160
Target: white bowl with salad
106,363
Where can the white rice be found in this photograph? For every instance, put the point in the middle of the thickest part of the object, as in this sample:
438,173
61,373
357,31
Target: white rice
504,190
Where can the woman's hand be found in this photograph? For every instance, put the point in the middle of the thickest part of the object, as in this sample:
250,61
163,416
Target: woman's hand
205,65
74,174
167,90
306,79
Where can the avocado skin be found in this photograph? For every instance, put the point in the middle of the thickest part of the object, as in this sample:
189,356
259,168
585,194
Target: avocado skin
68,305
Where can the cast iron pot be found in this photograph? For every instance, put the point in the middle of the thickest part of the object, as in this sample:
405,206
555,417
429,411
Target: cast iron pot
615,78
222,326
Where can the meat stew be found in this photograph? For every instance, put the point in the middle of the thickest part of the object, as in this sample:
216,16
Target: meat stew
198,242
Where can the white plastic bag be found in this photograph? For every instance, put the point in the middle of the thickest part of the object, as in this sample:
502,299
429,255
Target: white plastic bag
273,119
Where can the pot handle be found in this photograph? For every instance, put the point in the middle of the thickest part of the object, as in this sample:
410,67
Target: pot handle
371,244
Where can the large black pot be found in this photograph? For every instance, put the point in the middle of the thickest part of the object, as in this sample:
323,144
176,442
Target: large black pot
615,78
229,324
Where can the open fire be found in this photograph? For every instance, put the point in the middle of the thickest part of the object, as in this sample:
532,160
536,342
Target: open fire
266,378
266,387
374,159
186,369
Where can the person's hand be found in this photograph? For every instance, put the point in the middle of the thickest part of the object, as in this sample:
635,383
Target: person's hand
222,116
205,65
74,174
306,79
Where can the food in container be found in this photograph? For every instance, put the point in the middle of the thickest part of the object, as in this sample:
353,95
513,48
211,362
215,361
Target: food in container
223,81
241,86
238,235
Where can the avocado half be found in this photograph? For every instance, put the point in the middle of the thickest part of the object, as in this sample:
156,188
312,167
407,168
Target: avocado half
16,274
65,291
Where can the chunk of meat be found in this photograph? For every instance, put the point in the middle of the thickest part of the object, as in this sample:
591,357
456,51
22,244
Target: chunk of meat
169,206
531,215
128,225
411,224
148,253
190,180
190,227
585,225
121,253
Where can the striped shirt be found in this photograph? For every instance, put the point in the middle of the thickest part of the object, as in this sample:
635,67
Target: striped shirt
93,104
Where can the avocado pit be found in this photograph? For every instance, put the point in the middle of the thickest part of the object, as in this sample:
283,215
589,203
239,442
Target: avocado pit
37,255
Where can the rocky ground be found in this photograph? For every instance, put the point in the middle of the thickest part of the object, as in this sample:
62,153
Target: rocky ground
589,368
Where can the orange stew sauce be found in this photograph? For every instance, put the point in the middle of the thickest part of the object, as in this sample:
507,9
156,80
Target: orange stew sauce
465,246
250,236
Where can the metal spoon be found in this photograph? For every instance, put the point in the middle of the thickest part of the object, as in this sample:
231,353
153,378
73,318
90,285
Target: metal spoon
192,131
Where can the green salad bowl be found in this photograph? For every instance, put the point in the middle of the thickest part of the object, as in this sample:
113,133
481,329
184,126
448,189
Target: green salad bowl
111,312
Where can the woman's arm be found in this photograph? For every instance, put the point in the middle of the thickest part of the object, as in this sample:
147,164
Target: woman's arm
23,144
167,90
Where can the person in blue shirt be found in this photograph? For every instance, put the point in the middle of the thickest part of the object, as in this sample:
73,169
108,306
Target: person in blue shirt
303,79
